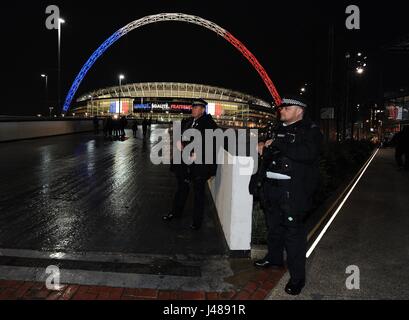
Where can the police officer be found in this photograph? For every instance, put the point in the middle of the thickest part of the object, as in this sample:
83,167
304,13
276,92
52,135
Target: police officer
198,172
291,159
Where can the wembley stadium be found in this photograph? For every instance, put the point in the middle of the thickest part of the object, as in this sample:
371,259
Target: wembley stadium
169,101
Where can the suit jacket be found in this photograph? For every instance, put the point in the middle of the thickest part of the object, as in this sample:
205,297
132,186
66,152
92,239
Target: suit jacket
198,170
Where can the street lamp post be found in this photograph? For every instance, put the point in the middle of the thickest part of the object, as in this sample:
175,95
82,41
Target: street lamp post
60,22
358,67
345,113
359,70
46,88
121,77
88,107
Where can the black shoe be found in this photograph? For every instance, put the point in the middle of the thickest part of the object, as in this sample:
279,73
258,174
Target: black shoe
168,217
264,263
294,288
194,226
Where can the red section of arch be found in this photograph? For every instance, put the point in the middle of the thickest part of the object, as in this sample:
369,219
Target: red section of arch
252,59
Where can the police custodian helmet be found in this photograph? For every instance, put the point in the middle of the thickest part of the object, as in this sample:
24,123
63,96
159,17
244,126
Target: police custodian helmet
199,102
293,101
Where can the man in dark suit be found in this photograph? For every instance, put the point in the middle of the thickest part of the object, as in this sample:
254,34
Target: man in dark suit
198,172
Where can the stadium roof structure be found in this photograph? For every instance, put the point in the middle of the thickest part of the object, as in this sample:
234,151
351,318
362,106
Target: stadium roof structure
173,90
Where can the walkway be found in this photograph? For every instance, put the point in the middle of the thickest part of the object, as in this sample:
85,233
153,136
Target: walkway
371,232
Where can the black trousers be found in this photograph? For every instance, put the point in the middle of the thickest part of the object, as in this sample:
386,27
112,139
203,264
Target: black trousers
282,233
182,194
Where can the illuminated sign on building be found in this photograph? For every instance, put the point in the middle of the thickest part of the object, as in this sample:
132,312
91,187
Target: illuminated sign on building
142,106
397,113
181,107
124,107
211,108
160,106
215,109
393,112
114,107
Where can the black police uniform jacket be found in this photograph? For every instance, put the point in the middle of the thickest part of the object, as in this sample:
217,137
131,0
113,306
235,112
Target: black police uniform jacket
298,148
198,170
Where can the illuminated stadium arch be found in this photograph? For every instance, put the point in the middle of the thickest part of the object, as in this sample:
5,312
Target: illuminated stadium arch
171,17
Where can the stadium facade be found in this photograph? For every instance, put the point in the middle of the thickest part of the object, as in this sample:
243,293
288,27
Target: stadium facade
170,101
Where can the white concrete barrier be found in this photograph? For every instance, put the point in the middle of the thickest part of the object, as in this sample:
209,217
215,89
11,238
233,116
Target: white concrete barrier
233,201
17,130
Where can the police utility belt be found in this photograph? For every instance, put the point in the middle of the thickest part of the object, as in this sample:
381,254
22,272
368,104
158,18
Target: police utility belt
279,171
280,167
277,176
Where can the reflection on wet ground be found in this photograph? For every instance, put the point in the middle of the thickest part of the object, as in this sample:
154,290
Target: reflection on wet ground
81,193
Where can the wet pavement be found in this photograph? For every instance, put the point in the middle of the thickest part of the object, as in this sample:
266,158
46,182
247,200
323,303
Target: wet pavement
81,193
371,233
93,208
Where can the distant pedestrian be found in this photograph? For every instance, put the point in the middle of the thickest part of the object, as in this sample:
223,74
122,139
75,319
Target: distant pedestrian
123,124
401,143
96,125
145,123
116,128
110,127
105,127
135,128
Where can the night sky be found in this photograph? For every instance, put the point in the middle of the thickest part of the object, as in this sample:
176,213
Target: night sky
290,39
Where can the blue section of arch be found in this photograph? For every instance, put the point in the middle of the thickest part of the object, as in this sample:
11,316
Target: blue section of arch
98,53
